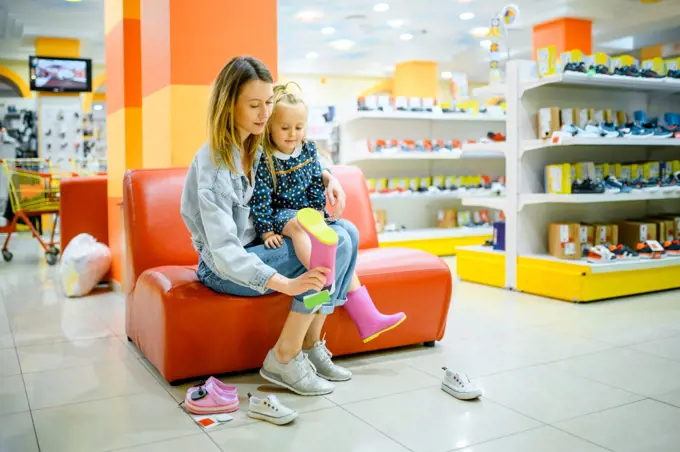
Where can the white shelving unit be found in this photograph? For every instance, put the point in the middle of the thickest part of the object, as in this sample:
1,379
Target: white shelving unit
529,210
418,212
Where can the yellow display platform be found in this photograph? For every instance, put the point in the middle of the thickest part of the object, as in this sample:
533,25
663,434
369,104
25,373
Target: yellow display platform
582,282
444,246
482,265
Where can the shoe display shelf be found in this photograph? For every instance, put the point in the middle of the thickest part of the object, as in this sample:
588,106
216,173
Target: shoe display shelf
525,264
418,212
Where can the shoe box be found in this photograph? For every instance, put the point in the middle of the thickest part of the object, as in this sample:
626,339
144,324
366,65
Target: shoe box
665,228
558,179
563,240
380,220
586,236
605,234
548,121
633,232
499,235
447,218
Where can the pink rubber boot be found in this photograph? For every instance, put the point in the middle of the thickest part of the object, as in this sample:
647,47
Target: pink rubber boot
324,247
369,321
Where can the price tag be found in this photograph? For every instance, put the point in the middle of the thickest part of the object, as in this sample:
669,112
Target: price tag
564,233
643,233
569,249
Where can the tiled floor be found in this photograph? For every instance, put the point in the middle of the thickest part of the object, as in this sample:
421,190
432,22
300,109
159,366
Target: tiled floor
557,377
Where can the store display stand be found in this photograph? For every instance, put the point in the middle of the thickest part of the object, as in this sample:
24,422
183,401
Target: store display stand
418,211
525,264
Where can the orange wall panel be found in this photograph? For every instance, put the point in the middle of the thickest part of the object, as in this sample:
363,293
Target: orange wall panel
155,36
114,238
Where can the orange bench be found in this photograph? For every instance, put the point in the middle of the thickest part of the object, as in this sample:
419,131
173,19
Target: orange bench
186,330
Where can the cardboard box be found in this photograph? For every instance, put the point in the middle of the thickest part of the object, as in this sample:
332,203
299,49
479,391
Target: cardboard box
563,240
380,217
633,232
675,218
665,228
548,121
447,218
558,179
569,116
546,58
586,236
605,234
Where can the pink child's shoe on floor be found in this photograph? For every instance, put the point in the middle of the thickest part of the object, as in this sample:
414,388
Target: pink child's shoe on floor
224,387
210,399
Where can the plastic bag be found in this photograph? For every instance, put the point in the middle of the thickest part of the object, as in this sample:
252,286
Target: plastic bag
84,263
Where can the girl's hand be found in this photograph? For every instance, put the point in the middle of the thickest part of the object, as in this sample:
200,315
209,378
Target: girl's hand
336,196
273,241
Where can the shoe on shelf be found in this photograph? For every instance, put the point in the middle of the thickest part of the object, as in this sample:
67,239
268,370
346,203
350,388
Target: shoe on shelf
459,385
623,252
609,130
652,185
575,67
673,73
648,73
599,254
637,133
645,251
587,186
599,69
612,185
270,409
672,247
627,71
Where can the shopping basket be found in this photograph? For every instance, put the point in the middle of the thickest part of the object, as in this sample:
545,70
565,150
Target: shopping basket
33,191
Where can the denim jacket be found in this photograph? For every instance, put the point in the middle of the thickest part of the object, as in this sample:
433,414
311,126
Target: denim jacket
215,210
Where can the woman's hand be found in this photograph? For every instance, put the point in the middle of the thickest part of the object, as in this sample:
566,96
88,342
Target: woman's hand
336,195
314,279
272,240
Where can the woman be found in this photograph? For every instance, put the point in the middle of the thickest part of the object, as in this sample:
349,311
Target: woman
214,207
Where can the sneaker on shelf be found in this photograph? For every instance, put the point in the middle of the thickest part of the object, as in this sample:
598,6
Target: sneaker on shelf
495,136
587,187
672,247
652,185
599,69
270,409
612,185
623,252
673,73
627,71
599,254
648,73
645,251
609,130
669,184
459,385
575,67
569,129
591,131
637,133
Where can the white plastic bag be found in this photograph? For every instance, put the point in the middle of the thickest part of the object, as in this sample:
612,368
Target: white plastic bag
84,263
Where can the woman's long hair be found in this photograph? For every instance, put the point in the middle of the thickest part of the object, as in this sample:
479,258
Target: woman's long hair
222,132
282,95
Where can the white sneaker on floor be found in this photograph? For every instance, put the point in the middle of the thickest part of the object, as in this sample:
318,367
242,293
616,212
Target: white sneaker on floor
270,409
459,386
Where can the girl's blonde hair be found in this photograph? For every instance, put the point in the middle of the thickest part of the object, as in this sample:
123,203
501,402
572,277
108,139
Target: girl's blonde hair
222,132
282,95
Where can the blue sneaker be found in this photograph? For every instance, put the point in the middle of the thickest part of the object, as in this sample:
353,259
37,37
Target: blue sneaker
609,130
637,132
612,185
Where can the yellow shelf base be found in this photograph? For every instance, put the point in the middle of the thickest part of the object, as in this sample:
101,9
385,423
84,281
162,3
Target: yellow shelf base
481,267
576,283
440,246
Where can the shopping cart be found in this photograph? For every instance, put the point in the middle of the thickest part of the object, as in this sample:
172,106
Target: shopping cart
33,191
88,167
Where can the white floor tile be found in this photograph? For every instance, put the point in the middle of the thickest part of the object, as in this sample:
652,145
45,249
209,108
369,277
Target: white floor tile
60,355
111,424
672,398
9,364
663,348
642,426
12,395
378,380
430,420
627,369
542,439
194,443
331,430
6,340
548,394
43,327
17,434
101,380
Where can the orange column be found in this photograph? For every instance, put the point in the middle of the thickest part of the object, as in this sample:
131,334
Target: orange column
565,34
416,79
123,110
185,44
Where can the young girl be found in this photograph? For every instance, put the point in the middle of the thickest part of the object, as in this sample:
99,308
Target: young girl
290,180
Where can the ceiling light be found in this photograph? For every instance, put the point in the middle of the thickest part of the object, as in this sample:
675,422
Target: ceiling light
467,16
395,23
480,32
463,1
308,16
446,74
73,1
406,37
381,7
312,55
96,107
342,44
485,43
328,30
389,68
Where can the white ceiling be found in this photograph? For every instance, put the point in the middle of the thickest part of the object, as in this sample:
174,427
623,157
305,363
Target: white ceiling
439,33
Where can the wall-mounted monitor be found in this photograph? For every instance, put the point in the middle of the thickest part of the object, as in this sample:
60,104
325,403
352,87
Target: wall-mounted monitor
60,75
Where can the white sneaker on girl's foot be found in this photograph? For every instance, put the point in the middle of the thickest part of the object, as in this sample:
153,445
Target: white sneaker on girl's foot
459,386
270,409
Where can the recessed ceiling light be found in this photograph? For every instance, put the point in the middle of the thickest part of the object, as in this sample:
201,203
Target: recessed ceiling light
395,23
467,16
446,74
308,16
342,44
406,37
486,43
328,30
389,68
312,55
480,32
73,1
463,1
96,107
381,7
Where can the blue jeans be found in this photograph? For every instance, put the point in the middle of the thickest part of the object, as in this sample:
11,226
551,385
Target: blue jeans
286,263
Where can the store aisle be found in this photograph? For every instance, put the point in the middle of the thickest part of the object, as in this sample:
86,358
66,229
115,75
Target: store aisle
556,376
